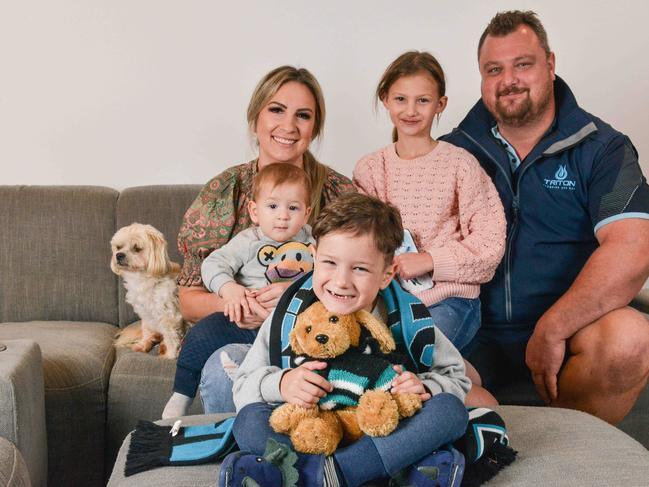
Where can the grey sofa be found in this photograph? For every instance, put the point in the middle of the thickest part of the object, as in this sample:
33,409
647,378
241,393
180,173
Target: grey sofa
67,399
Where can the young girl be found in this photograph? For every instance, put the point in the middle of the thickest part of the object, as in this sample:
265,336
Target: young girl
446,200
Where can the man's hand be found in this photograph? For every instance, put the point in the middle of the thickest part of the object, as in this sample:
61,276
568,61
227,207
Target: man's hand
413,264
408,383
544,356
268,296
304,387
235,304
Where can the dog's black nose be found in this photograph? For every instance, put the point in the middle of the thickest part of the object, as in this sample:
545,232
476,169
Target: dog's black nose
322,339
120,257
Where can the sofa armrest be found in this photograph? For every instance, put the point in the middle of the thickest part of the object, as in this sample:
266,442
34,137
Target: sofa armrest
22,405
641,301
13,471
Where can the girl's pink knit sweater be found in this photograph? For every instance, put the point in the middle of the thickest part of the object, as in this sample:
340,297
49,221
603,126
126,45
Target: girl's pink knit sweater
450,206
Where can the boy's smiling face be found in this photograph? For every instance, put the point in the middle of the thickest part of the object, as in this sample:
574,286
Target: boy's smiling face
349,271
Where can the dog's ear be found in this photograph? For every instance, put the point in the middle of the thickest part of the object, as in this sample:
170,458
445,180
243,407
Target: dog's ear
158,264
377,329
113,250
295,345
114,267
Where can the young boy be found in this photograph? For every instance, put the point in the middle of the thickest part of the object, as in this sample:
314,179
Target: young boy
277,249
356,238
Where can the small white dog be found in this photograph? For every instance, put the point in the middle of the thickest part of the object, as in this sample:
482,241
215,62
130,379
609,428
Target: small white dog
140,257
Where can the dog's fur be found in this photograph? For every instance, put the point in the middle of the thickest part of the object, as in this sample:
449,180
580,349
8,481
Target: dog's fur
141,259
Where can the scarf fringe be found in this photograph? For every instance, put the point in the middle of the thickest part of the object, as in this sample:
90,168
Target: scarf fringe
488,465
150,448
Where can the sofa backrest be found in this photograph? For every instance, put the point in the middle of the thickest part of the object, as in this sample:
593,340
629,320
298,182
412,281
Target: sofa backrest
54,253
160,206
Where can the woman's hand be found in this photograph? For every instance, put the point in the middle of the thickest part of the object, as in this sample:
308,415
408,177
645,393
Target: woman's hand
304,387
268,296
413,264
409,383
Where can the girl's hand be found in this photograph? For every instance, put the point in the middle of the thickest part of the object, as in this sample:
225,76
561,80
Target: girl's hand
304,387
268,296
409,383
413,264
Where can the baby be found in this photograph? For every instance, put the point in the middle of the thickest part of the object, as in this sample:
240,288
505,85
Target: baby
277,249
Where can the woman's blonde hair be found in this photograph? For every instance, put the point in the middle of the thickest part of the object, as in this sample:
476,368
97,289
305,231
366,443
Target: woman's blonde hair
265,90
408,64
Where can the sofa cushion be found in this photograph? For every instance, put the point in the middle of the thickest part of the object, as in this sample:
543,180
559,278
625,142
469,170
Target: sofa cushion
161,206
13,471
54,253
563,447
556,447
77,358
636,422
140,386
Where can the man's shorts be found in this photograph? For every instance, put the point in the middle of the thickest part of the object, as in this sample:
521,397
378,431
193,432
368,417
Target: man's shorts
498,362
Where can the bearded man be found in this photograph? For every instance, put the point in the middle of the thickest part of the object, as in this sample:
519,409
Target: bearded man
577,206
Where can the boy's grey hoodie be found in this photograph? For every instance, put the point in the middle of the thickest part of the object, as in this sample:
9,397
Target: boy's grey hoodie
258,381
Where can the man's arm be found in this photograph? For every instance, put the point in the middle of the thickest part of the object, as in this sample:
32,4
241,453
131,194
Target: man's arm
611,277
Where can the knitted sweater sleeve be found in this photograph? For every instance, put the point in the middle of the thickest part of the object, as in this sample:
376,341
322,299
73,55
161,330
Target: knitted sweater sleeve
368,176
474,257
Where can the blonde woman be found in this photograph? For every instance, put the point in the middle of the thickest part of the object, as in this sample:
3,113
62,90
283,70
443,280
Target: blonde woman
286,112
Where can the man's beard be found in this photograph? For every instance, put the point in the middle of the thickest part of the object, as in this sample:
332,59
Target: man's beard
525,111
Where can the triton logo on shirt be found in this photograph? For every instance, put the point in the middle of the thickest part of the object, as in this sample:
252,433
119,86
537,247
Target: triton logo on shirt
560,180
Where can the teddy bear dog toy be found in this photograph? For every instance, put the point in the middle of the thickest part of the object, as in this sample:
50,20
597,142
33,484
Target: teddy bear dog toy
358,351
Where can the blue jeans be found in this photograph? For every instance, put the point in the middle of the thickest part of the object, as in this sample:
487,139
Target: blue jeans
458,319
202,340
216,386
443,419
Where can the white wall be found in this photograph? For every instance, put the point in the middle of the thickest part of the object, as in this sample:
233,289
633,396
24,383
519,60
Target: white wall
124,93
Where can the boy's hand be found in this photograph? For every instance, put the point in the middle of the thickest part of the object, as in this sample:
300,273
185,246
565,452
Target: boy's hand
236,302
408,383
413,264
304,387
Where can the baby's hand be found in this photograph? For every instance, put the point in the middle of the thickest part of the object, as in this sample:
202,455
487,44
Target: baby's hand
408,383
236,302
304,387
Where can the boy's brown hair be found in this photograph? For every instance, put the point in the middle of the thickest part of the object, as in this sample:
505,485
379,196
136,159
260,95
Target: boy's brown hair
281,173
359,214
